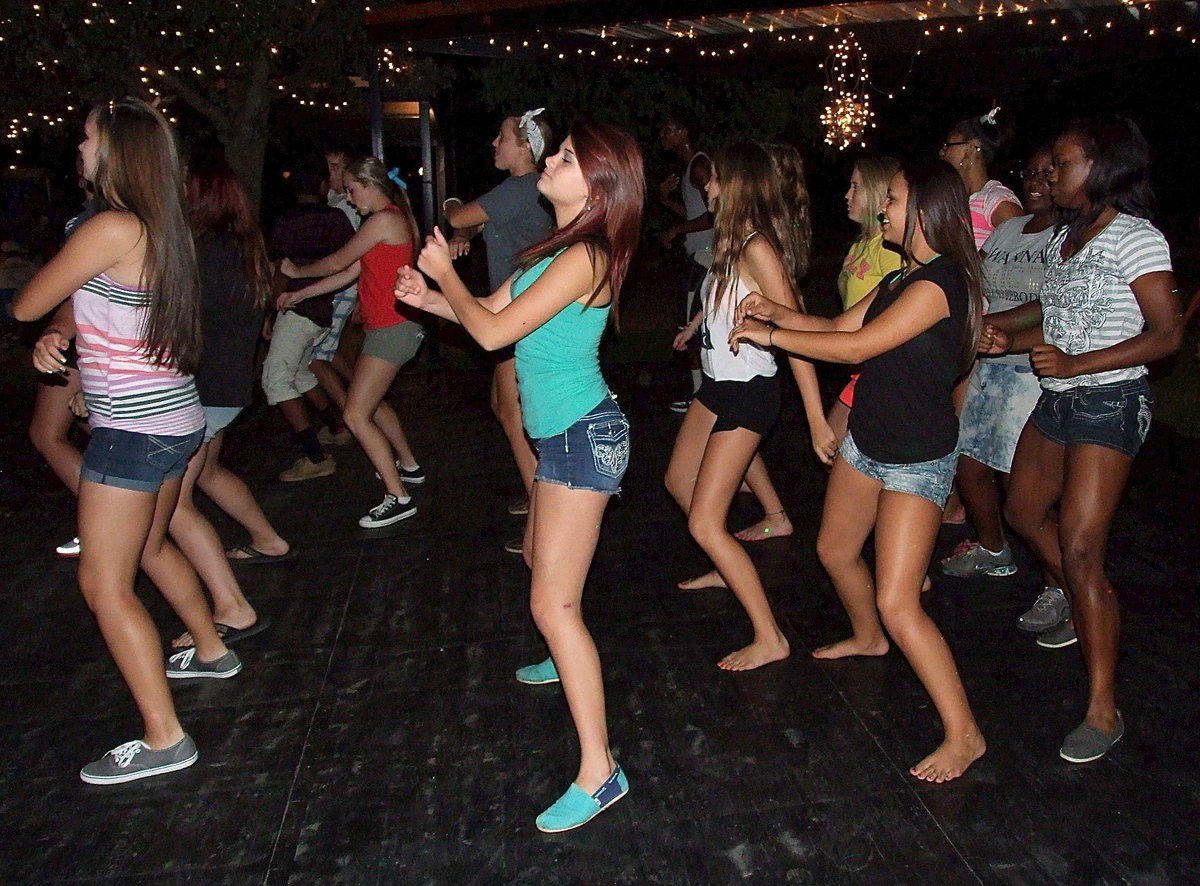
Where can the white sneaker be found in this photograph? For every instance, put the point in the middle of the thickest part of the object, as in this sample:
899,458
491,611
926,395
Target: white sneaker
68,548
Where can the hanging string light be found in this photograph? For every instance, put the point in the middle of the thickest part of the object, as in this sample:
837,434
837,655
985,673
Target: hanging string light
848,114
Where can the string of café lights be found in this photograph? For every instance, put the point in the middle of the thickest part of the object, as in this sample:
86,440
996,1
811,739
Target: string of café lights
612,50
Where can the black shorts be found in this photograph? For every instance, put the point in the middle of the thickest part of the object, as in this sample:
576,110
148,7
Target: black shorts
753,405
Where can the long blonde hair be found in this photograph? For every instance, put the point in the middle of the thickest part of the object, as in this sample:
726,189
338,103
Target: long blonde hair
751,202
875,173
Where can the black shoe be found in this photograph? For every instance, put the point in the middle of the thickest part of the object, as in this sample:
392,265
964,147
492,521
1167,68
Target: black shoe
390,510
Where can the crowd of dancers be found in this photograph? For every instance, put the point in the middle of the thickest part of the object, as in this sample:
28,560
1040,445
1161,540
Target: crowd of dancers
996,338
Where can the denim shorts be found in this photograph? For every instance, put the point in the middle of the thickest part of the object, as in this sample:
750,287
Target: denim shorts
999,398
142,462
930,480
1116,416
218,418
592,454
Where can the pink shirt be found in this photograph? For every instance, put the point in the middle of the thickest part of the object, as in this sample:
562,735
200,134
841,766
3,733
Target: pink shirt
983,204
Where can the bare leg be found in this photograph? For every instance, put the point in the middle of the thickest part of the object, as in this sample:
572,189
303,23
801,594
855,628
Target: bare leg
851,500
372,378
48,429
682,471
839,420
905,533
1034,487
233,497
775,522
202,546
980,494
388,422
566,529
330,381
506,404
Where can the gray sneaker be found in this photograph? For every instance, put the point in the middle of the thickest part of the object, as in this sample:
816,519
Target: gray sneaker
1086,743
1049,610
1058,637
185,665
971,558
136,759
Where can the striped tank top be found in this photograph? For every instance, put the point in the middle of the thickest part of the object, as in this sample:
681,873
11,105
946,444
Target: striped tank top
122,387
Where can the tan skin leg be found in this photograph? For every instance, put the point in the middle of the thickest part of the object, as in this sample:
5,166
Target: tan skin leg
200,543
905,532
724,458
566,529
851,500
979,489
775,522
52,419
506,404
117,528
364,402
233,497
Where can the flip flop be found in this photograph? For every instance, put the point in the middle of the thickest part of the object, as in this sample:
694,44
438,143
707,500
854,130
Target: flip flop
233,635
254,555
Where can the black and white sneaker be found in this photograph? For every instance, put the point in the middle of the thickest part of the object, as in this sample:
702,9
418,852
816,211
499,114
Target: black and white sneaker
413,476
390,510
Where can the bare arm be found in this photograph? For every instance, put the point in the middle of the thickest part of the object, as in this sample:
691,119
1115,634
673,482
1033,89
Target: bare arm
464,215
378,228
325,285
1006,210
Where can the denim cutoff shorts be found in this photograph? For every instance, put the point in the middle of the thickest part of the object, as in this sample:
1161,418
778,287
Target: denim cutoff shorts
930,480
142,462
218,418
1116,416
592,454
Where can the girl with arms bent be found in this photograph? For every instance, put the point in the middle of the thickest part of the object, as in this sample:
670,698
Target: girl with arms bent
914,336
555,308
132,270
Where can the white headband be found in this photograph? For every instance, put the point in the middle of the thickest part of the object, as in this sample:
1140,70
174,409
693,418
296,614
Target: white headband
990,117
533,133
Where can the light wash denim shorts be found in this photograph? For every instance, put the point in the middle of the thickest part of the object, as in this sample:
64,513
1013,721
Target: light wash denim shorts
928,479
218,418
592,454
142,462
1115,416
1000,397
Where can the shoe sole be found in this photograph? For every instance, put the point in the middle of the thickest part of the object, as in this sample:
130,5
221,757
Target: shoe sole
215,675
1062,645
315,476
145,773
609,805
389,521
545,682
1035,629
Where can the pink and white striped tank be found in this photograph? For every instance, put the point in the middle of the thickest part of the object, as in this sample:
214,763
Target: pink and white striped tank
122,387
983,203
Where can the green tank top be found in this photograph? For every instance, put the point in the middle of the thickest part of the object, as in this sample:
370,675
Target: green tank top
558,364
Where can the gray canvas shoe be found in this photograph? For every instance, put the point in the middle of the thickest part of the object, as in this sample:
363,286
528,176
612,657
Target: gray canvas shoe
1086,743
135,759
184,665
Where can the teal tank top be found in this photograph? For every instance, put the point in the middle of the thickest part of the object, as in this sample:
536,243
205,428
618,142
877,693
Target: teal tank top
558,364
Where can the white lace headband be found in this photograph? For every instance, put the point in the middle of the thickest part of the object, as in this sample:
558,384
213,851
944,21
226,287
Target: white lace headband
533,133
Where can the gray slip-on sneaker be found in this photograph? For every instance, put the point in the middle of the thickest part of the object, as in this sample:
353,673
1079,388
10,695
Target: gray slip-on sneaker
135,759
1086,743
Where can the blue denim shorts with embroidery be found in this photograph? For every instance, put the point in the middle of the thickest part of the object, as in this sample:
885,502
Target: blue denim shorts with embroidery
142,462
592,454
1116,416
928,479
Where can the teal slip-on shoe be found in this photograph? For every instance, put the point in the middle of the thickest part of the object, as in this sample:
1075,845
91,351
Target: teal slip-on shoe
576,807
537,674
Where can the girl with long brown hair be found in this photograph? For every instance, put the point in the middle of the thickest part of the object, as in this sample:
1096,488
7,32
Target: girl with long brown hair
556,308
914,336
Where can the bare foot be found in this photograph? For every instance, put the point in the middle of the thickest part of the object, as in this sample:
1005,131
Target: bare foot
951,759
756,655
770,526
711,579
853,646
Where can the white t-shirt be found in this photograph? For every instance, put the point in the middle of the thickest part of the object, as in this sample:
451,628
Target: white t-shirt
1087,302
1014,267
716,358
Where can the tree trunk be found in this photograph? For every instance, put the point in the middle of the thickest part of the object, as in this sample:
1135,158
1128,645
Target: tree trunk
246,136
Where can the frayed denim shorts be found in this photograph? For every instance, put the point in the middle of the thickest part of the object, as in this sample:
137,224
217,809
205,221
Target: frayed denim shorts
142,462
930,480
1116,416
592,454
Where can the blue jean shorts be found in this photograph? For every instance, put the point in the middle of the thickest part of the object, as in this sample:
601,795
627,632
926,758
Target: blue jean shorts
1116,416
930,480
218,418
592,454
142,462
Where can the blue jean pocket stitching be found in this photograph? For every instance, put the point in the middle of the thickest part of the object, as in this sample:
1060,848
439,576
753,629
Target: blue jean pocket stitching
609,441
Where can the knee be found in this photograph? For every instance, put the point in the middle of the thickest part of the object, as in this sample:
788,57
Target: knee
355,418
897,612
705,530
833,553
1020,518
1082,559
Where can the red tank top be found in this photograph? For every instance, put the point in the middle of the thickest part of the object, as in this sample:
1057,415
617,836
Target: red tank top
377,281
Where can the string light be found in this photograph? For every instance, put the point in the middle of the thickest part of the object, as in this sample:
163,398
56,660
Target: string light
848,114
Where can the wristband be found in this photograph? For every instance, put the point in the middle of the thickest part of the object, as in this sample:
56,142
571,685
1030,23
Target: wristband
770,338
450,201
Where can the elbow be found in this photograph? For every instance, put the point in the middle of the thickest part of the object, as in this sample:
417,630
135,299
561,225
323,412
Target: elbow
1173,339
22,312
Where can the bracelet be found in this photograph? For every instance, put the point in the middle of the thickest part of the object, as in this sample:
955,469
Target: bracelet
450,200
770,336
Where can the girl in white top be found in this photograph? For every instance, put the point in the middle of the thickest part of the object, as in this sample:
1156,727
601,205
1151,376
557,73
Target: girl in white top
1109,307
755,249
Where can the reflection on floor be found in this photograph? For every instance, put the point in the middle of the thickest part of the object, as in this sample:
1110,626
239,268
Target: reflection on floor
376,734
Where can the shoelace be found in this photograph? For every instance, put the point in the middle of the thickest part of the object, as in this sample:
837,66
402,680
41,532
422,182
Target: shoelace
1045,600
381,509
183,659
123,755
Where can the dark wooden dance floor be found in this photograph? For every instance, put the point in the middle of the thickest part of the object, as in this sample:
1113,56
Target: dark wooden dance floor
376,735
